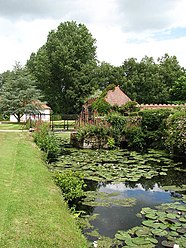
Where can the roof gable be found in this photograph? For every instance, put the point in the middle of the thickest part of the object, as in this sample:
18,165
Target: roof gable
116,97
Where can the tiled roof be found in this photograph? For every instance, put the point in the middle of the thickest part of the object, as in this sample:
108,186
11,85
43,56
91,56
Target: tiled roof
116,97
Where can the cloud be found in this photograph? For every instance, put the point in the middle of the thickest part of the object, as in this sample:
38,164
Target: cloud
31,9
142,15
122,28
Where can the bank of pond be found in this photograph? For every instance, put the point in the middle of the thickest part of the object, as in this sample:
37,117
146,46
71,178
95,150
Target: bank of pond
130,199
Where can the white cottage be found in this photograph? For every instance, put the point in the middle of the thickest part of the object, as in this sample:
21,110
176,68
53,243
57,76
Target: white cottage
44,115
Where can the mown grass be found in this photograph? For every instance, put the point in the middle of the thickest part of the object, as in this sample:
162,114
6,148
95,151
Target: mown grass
12,126
32,211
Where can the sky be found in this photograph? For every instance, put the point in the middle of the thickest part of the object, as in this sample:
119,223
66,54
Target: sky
122,28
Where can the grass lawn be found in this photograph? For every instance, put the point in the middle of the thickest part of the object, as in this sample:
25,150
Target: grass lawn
12,126
32,211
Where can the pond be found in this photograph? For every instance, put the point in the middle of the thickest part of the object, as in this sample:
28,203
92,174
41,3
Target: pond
131,199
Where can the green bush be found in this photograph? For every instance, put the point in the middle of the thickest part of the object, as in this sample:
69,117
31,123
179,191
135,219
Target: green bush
100,131
117,123
46,140
176,133
71,183
154,119
153,125
129,108
101,106
111,143
135,138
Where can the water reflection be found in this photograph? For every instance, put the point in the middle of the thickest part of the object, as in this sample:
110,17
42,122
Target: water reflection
117,218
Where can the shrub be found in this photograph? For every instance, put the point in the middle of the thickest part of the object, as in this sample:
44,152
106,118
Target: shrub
153,125
154,119
100,131
135,138
111,143
46,140
128,108
101,106
117,123
176,133
71,183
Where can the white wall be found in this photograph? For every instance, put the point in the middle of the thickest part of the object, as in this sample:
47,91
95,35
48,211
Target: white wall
45,116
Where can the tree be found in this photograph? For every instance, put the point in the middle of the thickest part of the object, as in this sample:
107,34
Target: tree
108,74
170,72
142,81
65,67
18,95
178,90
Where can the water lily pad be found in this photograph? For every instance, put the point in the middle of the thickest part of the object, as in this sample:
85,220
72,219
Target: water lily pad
181,230
151,216
142,231
148,223
159,232
173,234
140,241
167,243
121,235
163,173
172,216
182,219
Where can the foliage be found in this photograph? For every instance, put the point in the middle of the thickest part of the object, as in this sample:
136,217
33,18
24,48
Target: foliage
71,184
116,120
108,74
65,67
154,119
176,133
129,107
111,143
153,125
101,106
117,123
178,90
46,140
148,81
135,138
18,94
99,131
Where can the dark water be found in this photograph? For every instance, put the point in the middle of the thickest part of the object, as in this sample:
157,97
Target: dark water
147,192
112,219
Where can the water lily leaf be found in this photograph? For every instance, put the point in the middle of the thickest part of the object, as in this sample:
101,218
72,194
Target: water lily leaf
151,216
172,216
121,235
148,223
141,241
142,231
146,210
167,243
159,232
173,234
181,230
152,240
182,219
163,173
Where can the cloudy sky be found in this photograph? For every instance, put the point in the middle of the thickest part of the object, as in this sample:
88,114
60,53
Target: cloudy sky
122,28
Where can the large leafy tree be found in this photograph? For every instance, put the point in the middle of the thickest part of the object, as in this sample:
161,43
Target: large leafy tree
142,81
170,69
150,82
18,95
108,74
178,90
65,67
